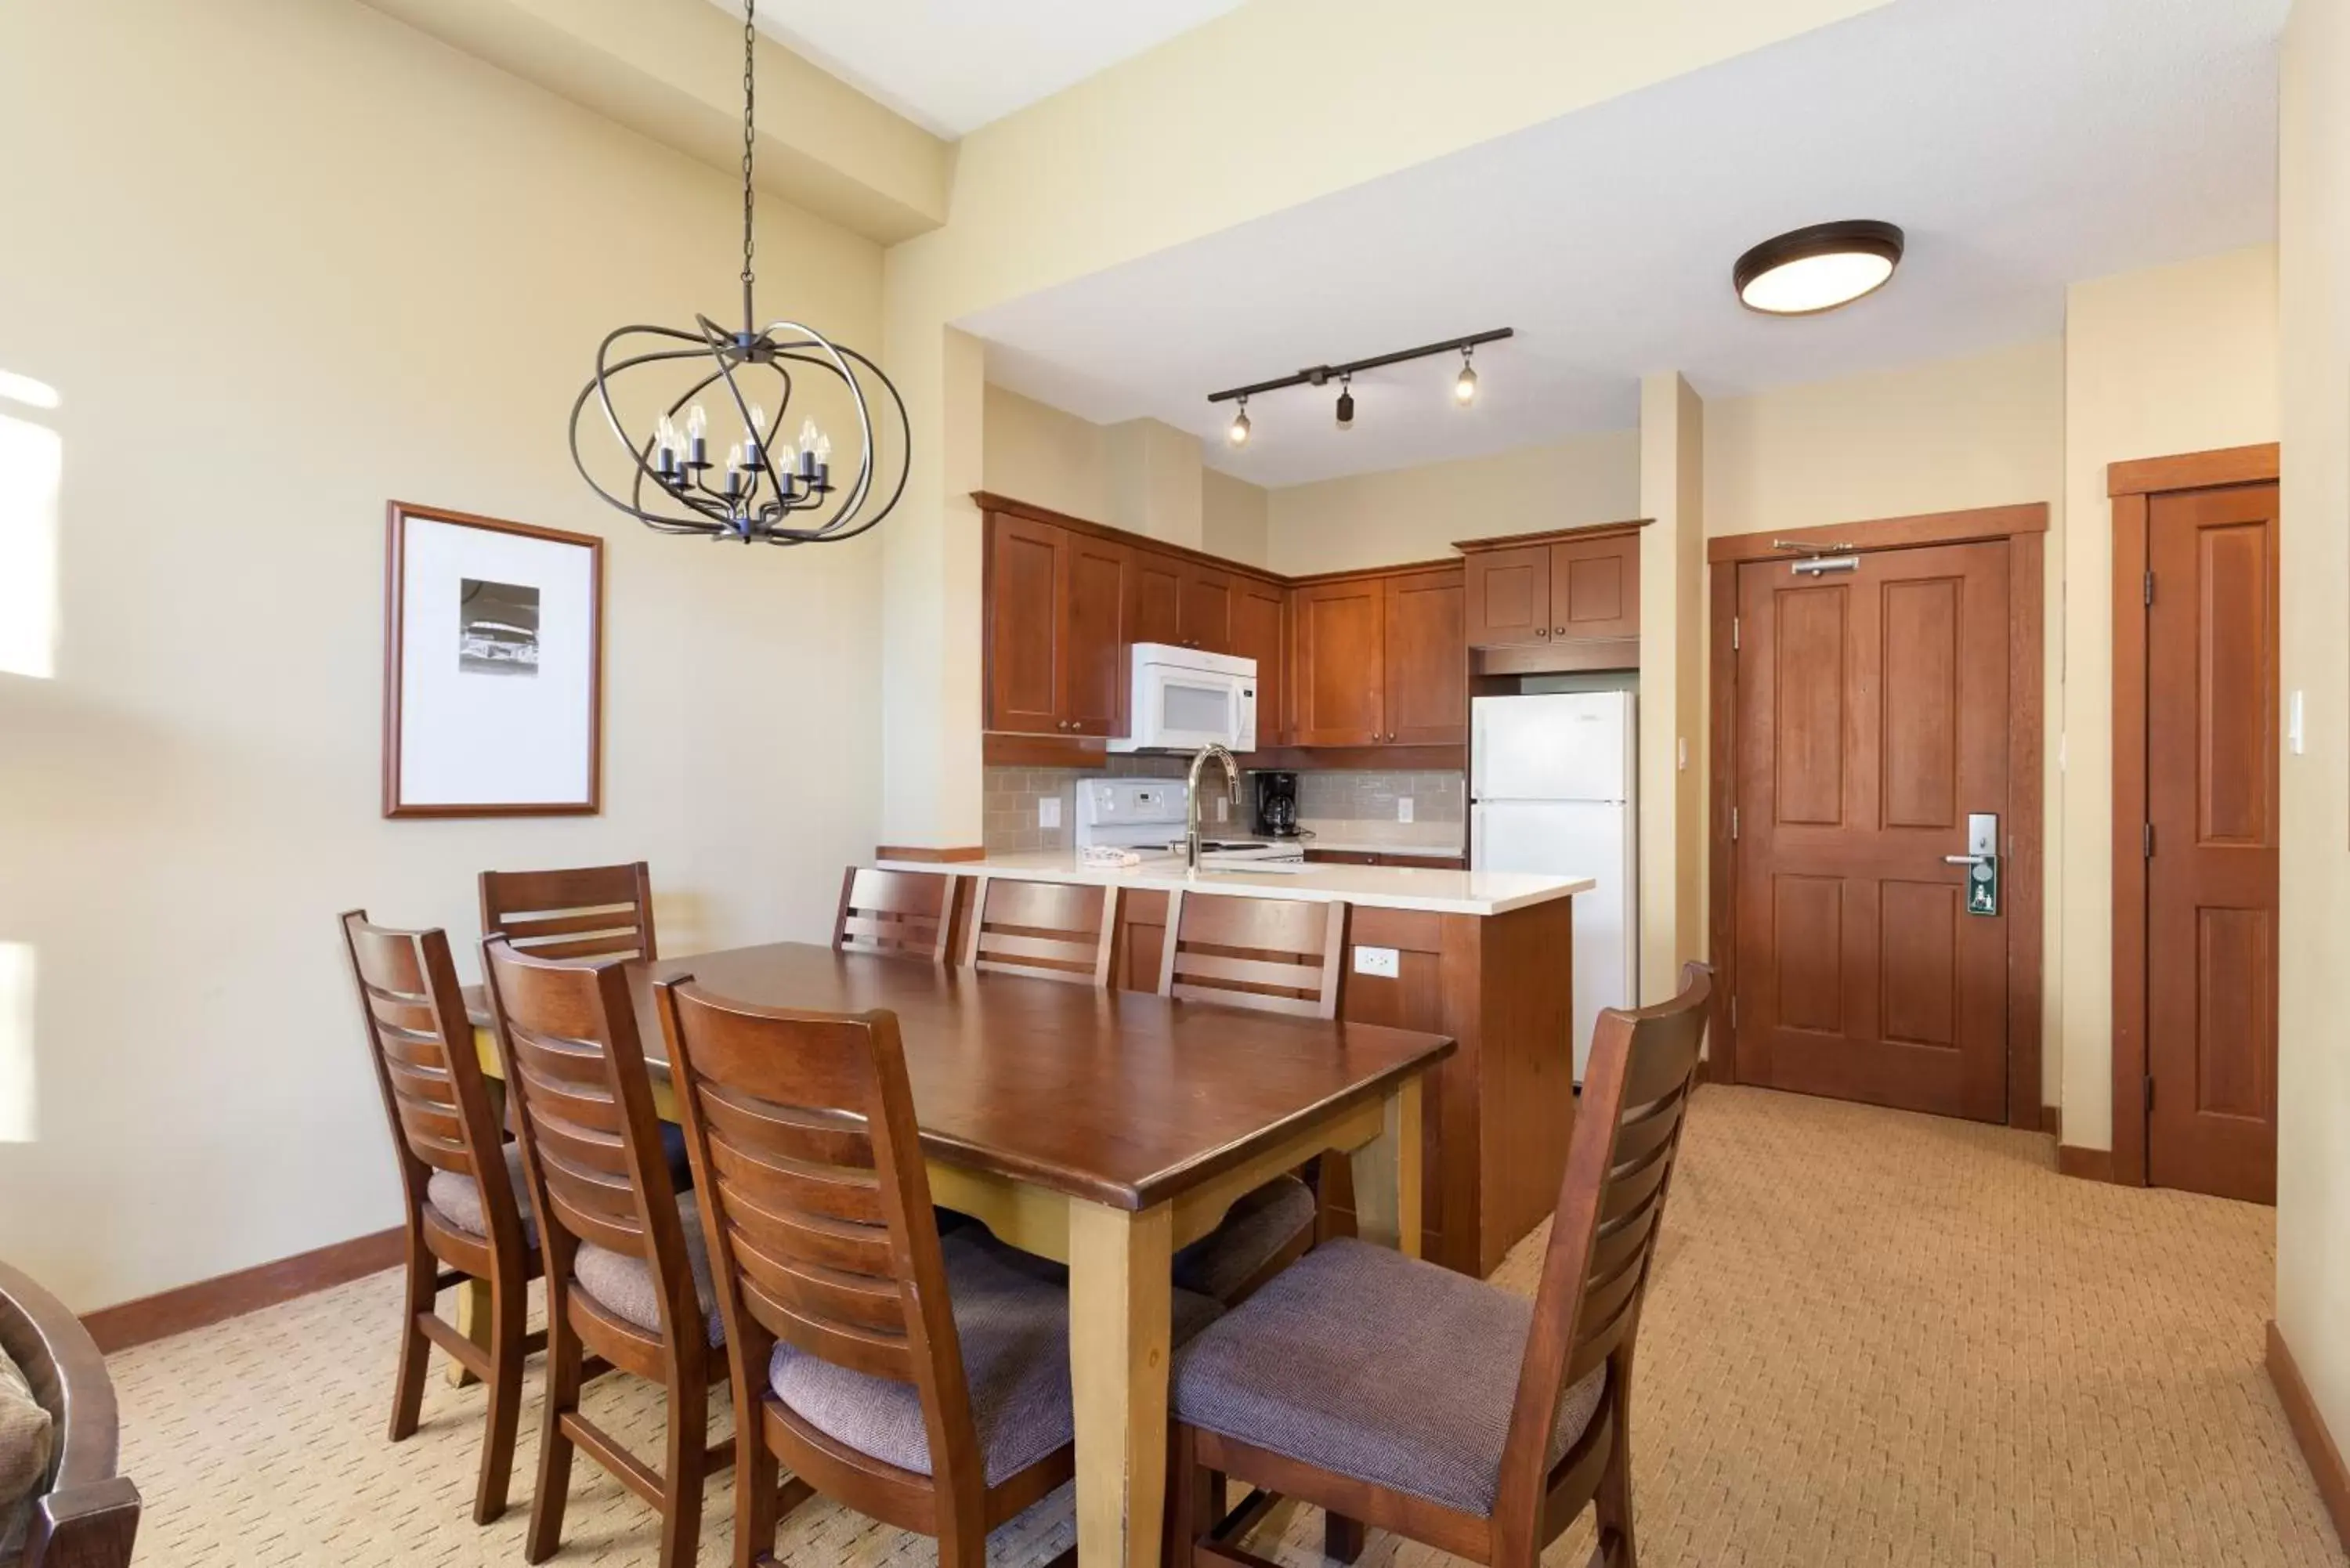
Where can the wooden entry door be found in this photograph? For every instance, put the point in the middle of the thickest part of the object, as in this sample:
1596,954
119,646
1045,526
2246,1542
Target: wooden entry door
1872,717
2211,705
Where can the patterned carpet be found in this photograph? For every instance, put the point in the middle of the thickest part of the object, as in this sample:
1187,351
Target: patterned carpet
1874,1338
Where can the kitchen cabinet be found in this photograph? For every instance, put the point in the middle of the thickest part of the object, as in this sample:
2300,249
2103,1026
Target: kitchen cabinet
1207,609
1056,610
1181,603
1260,631
1573,587
1425,661
1157,599
1387,858
1378,659
1336,658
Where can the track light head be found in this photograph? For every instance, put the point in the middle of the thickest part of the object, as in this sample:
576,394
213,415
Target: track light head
1464,386
1346,403
1239,433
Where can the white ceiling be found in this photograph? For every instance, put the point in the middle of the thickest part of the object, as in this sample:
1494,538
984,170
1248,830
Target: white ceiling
2023,144
953,64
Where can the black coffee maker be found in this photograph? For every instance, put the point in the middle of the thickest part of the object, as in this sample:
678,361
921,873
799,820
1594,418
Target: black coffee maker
1276,805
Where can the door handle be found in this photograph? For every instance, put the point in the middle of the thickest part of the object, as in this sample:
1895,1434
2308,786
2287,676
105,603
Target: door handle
1968,859
1982,861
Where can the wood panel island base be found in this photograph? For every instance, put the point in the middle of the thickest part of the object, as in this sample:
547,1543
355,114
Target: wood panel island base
1486,958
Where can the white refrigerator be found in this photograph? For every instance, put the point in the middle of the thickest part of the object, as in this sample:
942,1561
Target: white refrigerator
1550,788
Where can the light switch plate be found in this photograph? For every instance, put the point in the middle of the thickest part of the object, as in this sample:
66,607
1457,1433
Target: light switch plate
1223,808
1048,810
1385,963
2296,738
1403,808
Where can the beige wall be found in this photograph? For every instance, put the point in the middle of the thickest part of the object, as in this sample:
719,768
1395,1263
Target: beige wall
1234,518
2172,359
1415,514
1036,453
316,260
2313,1284
1673,431
1981,430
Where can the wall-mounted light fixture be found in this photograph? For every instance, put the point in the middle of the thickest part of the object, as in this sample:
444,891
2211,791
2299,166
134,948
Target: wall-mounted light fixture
1806,271
1464,386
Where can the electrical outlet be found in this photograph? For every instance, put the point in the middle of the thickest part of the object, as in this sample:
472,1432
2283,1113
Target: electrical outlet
1223,808
1384,962
1048,810
1403,808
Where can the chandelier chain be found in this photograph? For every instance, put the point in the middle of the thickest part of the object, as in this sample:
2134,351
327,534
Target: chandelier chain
749,133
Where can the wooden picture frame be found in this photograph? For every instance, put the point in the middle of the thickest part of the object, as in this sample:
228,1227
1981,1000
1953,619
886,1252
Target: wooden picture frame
448,711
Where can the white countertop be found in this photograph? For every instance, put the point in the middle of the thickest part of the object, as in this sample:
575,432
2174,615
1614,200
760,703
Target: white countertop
1369,887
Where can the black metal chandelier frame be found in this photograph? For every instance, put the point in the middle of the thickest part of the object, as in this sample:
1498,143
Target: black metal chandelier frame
753,497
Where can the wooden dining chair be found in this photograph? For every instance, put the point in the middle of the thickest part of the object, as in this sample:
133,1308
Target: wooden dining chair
922,1381
1046,931
462,1181
628,1275
1493,1422
588,911
1275,955
895,914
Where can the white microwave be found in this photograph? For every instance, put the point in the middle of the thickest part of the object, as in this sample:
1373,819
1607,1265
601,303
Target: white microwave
1184,699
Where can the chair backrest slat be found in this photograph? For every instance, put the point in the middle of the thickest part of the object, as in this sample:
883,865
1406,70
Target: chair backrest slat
896,914
590,1136
1275,955
816,1200
1045,930
588,911
435,1096
1604,1231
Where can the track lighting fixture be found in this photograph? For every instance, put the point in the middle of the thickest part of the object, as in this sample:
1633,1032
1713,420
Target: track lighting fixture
1464,386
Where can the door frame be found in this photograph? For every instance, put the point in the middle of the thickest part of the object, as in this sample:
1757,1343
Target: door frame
2131,487
2024,528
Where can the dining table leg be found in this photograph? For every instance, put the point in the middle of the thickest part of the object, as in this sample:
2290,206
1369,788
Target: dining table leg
1388,1174
1119,1349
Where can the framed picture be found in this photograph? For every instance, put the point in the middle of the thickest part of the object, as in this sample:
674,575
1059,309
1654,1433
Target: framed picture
493,667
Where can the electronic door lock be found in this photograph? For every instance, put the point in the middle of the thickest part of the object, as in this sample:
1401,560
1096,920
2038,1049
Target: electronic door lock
1981,860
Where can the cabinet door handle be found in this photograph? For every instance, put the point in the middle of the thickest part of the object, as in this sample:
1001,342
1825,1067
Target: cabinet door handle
1560,630
1541,632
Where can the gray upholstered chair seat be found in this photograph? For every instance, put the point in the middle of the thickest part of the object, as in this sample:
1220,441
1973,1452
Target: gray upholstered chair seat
457,1199
1014,1329
1252,1234
624,1284
1360,1361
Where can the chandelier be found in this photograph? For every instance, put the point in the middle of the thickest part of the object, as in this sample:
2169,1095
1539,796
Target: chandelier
765,489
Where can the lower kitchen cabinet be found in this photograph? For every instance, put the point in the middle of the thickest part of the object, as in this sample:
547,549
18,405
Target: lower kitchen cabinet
1500,1111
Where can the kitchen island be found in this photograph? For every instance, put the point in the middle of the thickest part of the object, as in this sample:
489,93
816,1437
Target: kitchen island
1485,957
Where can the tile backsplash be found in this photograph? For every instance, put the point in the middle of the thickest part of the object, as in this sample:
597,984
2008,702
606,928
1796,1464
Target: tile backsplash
1439,802
1009,797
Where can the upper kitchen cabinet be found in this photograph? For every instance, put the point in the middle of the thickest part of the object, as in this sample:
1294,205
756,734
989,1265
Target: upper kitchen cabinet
1425,659
1207,614
1578,589
1341,645
1057,609
1379,660
1260,628
1157,599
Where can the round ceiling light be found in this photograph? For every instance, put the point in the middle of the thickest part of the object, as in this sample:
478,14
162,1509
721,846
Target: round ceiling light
1819,268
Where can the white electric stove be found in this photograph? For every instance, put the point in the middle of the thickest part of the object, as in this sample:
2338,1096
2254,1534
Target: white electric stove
1148,817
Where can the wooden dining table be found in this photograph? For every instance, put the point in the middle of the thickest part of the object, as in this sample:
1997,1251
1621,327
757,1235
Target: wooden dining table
1103,1130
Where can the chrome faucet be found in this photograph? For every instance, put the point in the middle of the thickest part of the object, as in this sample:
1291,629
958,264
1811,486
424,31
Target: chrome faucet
1191,797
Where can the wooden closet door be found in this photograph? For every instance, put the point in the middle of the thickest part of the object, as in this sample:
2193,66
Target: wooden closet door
2211,873
1872,716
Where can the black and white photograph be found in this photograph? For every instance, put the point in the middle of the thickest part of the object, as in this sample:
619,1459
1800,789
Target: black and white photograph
512,725
497,628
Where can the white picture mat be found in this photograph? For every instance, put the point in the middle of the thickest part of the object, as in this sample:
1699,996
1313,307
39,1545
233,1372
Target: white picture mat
469,739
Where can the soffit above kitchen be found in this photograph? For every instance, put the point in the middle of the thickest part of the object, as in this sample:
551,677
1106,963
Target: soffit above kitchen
2021,144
